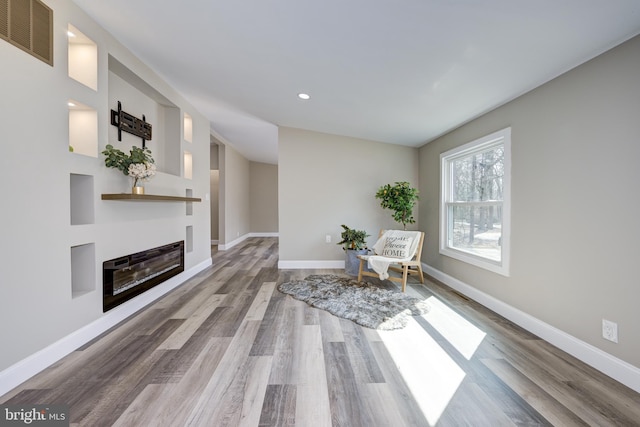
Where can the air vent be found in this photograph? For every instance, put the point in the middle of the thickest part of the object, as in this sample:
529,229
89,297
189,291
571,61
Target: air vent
4,19
28,24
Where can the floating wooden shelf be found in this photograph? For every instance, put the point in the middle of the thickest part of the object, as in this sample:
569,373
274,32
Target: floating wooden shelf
149,198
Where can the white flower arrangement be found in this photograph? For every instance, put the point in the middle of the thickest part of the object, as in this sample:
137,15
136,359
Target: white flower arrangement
138,164
141,171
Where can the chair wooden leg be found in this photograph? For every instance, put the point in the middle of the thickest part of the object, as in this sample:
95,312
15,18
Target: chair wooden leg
360,270
420,271
405,273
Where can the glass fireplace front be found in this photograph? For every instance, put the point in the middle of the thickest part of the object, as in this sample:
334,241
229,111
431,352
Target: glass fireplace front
128,276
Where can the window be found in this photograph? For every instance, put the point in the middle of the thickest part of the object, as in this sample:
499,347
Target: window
475,205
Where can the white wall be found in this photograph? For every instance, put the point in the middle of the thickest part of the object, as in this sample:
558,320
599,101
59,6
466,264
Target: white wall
575,228
328,180
37,308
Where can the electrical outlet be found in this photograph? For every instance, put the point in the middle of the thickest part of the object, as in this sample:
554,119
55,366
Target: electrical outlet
609,330
327,238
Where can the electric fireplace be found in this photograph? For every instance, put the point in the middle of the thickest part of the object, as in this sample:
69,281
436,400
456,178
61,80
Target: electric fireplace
130,275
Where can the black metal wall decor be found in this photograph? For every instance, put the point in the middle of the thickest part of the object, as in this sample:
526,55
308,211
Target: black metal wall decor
130,124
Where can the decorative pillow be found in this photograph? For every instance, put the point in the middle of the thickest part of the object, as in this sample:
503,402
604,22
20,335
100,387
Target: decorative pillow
397,247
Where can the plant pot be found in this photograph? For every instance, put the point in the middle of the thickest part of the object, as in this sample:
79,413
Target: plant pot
351,261
137,190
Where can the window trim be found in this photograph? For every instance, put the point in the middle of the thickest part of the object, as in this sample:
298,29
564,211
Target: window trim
501,137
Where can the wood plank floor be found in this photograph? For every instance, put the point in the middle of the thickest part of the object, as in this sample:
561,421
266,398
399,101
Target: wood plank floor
227,349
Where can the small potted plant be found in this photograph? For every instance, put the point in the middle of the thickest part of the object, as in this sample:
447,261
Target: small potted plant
138,164
354,243
400,198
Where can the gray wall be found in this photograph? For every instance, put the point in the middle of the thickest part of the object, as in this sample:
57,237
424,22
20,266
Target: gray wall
235,216
575,175
214,184
263,193
327,180
248,196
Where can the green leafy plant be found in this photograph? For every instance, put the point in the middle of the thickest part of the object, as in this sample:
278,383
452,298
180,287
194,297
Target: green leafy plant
353,239
119,160
400,198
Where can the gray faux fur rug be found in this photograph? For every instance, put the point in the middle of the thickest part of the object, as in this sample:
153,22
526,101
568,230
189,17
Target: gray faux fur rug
362,302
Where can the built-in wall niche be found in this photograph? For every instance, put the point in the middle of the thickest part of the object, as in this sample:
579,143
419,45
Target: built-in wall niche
83,129
83,269
188,128
83,58
139,98
189,239
81,199
188,165
189,194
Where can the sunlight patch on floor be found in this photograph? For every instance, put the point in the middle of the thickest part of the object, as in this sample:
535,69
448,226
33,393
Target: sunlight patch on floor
431,375
461,333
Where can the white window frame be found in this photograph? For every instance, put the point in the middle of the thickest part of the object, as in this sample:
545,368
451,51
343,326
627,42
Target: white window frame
501,137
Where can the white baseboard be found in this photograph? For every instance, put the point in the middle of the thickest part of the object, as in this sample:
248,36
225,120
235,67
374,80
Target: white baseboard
244,237
310,264
273,234
30,366
617,369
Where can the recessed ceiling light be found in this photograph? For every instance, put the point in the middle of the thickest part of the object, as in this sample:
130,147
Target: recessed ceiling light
303,96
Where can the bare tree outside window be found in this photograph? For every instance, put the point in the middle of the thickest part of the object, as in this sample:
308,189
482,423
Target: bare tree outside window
475,202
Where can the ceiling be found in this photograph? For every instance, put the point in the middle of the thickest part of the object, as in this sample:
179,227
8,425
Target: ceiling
401,72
